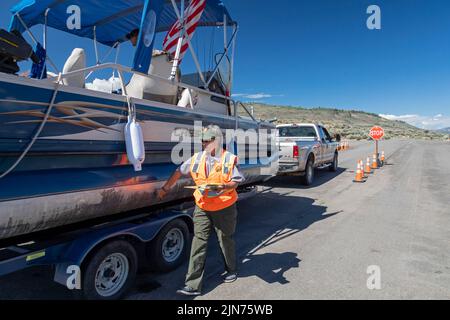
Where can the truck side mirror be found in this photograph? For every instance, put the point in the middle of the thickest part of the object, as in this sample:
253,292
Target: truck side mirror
338,137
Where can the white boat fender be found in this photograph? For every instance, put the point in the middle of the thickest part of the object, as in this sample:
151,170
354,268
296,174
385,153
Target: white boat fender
134,141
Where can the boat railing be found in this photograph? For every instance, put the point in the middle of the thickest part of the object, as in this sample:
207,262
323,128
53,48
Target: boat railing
240,103
123,69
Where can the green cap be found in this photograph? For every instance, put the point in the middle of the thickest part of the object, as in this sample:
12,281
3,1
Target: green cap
211,133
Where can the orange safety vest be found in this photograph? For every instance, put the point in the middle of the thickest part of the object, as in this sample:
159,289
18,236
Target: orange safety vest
220,173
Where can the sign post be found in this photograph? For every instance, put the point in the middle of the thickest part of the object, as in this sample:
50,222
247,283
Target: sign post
376,133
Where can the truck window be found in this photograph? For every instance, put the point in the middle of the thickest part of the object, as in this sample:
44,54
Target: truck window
306,131
327,135
321,134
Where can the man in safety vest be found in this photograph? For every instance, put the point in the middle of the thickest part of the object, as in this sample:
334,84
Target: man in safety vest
216,176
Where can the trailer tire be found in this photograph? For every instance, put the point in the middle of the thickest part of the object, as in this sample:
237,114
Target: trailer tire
169,248
110,271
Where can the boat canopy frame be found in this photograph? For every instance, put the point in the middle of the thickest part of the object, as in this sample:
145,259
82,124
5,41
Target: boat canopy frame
228,51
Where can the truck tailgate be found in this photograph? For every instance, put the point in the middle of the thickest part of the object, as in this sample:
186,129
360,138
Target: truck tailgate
287,150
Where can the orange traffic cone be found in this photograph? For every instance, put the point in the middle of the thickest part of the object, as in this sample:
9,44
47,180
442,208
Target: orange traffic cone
367,169
361,165
382,159
359,174
374,162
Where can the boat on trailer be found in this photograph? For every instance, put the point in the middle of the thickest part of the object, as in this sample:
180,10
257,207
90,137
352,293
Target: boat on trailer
65,153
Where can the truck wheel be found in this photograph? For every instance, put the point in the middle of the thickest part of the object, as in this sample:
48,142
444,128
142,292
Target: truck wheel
110,271
334,165
169,249
308,178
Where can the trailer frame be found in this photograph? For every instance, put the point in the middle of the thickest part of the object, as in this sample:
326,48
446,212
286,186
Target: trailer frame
70,252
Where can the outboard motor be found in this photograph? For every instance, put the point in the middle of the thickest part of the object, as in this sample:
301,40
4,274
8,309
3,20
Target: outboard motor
14,48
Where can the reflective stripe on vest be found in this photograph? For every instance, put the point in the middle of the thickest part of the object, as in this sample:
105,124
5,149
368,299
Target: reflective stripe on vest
225,164
197,160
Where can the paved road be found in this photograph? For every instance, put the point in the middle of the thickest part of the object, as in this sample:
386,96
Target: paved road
296,242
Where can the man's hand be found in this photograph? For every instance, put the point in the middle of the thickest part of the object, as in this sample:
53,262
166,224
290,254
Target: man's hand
227,186
161,193
232,185
219,187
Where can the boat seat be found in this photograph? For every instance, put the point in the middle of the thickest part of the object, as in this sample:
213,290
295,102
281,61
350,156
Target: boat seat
150,89
76,61
201,100
186,97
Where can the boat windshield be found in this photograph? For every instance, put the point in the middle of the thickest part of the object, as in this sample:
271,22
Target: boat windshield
224,73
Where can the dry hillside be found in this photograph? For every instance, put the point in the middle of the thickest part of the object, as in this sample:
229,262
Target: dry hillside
351,124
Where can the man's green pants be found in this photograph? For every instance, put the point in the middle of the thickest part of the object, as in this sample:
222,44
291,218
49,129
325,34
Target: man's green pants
224,224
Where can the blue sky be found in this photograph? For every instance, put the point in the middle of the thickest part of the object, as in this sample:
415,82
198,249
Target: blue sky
320,53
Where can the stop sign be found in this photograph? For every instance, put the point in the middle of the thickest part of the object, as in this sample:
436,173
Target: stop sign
376,133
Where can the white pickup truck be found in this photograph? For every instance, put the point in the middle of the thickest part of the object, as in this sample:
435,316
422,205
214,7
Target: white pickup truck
304,147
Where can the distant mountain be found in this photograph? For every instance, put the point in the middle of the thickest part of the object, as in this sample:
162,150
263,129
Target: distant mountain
351,124
444,130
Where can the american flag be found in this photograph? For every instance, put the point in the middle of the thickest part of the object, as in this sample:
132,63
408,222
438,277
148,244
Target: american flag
192,15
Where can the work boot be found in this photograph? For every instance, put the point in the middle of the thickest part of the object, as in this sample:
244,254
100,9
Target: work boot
230,277
188,291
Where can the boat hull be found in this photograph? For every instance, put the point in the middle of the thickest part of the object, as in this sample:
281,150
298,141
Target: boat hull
78,170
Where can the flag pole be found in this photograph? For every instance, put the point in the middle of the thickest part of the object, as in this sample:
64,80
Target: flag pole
191,49
176,59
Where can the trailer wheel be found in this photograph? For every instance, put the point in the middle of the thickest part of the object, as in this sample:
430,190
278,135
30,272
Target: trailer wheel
110,271
169,249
